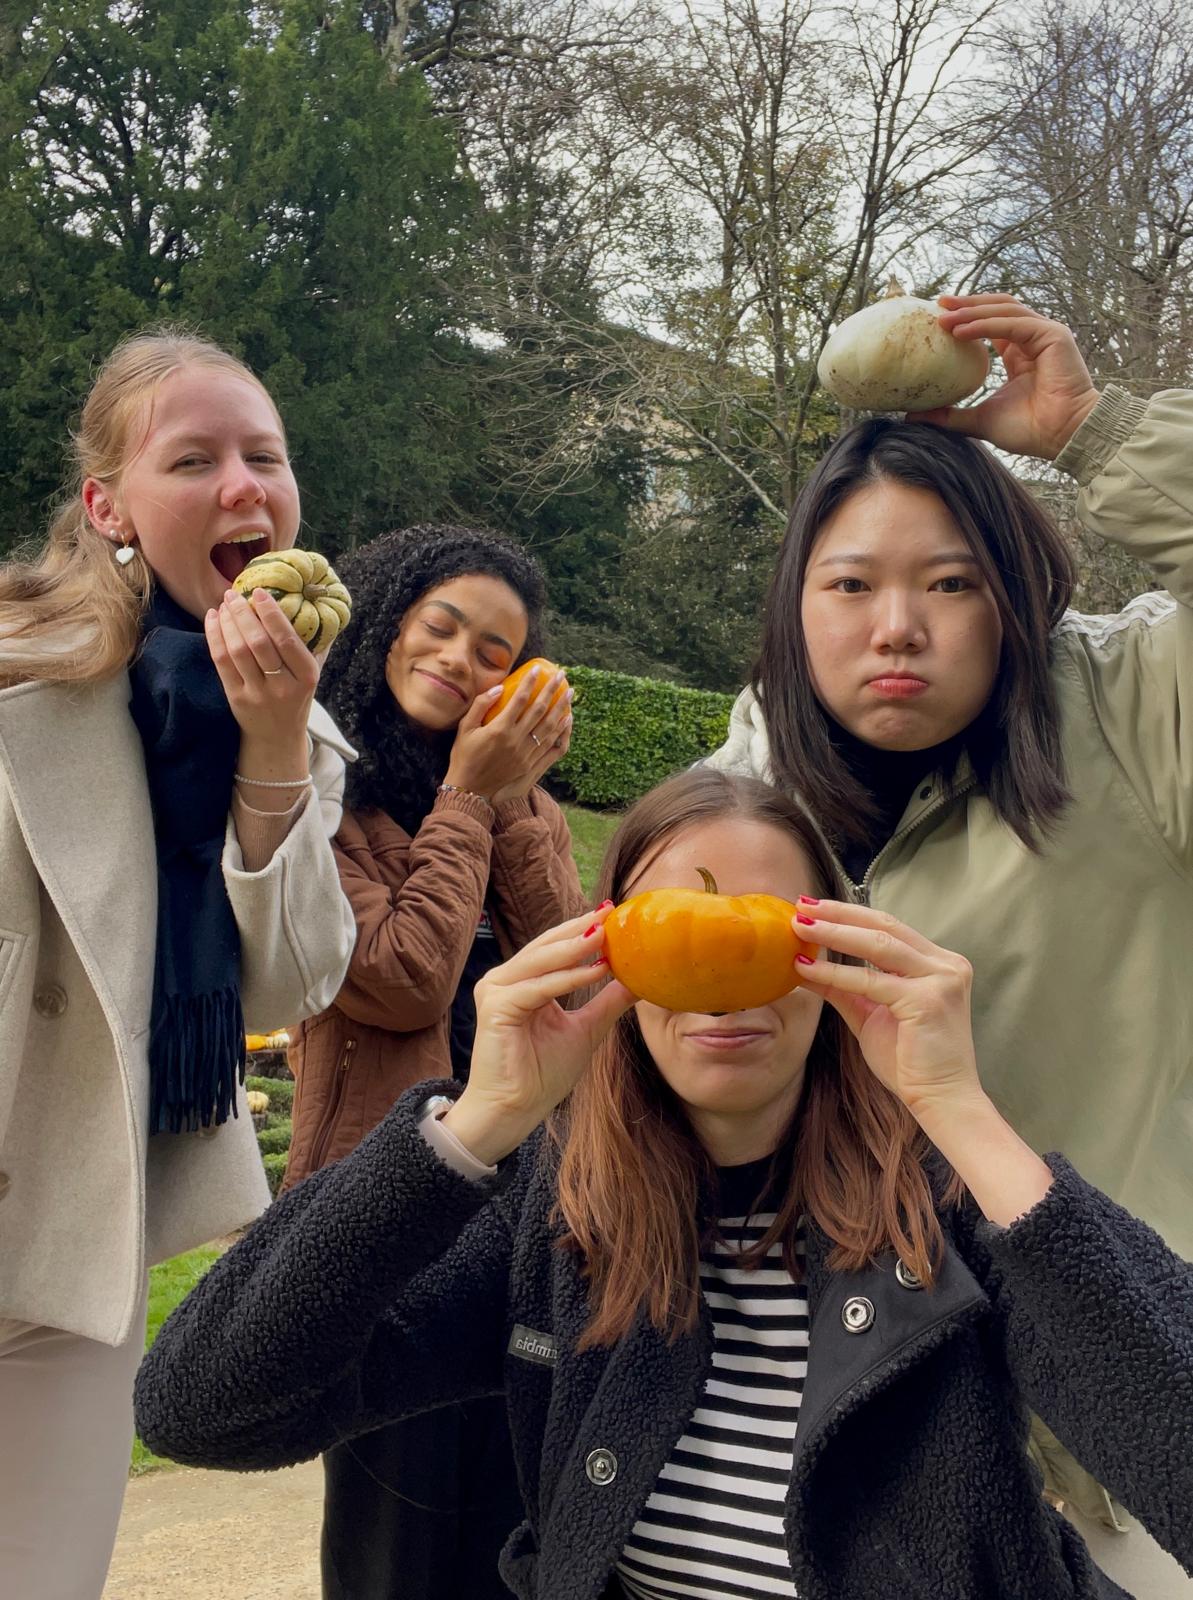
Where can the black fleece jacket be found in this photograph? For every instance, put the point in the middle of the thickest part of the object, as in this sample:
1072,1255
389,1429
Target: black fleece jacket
388,1284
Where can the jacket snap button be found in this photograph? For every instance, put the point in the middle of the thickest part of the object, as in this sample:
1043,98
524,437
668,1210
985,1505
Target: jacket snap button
925,791
857,1314
601,1467
908,1278
5,1184
50,1001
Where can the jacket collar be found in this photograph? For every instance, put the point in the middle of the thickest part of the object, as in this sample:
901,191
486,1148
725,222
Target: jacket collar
847,1368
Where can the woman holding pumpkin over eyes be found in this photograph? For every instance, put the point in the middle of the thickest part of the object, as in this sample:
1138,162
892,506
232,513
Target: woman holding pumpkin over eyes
765,1291
452,858
1012,778
167,792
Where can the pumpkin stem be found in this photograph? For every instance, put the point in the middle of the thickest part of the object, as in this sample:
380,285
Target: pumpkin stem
893,289
710,883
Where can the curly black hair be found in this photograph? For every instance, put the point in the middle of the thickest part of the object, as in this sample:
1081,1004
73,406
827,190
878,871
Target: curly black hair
400,763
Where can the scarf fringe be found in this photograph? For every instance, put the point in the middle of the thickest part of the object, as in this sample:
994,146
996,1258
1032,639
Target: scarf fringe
197,1057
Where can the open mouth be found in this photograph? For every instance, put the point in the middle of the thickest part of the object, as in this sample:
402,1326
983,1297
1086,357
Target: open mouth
232,556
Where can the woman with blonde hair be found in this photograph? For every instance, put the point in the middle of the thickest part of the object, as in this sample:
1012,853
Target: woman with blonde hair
766,1296
167,792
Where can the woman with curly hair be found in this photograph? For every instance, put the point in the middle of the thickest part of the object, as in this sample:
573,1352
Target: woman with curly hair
452,859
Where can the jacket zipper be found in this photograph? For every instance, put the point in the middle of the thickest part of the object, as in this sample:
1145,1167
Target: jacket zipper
328,1122
861,891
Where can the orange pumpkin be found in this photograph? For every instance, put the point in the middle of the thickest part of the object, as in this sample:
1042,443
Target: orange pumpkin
697,950
510,687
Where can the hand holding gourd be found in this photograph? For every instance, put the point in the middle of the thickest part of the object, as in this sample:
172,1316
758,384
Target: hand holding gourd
502,756
267,672
1048,392
908,1008
529,1052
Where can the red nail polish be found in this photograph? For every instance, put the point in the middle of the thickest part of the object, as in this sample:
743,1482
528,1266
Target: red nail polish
808,900
809,922
601,961
805,961
603,904
588,932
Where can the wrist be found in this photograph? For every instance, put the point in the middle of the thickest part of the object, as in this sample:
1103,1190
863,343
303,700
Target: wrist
486,1132
1081,411
273,760
462,783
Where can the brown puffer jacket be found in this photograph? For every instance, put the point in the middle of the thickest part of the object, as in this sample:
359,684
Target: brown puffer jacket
417,902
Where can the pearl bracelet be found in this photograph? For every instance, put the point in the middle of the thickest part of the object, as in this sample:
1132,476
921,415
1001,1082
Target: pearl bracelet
275,783
454,788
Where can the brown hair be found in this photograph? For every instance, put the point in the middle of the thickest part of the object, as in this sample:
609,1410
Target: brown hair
72,614
1015,741
632,1173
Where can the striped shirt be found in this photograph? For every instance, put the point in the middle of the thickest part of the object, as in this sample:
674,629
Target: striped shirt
712,1528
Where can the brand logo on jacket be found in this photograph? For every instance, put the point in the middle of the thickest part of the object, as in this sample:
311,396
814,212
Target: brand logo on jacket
532,1346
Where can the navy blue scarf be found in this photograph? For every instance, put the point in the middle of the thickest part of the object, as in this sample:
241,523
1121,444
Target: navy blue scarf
191,741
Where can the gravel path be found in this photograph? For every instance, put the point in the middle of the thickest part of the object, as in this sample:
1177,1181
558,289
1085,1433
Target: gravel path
190,1535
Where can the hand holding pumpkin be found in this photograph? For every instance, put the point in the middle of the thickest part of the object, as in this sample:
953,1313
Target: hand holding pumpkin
269,677
908,1007
510,736
1048,392
529,1052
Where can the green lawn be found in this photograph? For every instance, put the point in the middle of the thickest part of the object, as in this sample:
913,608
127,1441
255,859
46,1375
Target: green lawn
173,1280
591,832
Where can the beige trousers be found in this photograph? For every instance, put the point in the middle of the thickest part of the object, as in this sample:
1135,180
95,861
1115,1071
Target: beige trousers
66,1430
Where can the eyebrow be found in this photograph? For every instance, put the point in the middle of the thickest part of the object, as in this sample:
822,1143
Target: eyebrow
181,441
460,616
946,558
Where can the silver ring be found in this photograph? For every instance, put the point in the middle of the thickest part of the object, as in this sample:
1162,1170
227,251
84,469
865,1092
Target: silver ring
273,672
536,738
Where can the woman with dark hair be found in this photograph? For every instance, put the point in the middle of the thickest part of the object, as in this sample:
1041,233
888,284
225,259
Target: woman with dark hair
1014,779
452,859
765,1297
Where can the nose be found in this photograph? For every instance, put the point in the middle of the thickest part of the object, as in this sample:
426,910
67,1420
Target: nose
898,624
240,485
453,657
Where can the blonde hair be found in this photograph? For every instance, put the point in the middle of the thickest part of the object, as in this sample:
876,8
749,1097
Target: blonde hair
71,613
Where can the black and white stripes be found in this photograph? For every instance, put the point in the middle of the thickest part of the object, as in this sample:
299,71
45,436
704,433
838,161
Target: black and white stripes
713,1525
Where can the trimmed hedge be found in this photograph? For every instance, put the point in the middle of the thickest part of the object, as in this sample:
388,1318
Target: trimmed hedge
275,1171
274,1139
631,733
279,1090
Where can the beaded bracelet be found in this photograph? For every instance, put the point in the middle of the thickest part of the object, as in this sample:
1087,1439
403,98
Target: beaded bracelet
454,788
275,783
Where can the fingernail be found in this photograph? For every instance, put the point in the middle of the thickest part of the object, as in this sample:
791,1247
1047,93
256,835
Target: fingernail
808,922
808,900
588,932
805,961
603,904
601,961
571,695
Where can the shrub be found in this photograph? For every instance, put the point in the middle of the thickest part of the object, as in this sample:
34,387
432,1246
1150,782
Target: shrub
275,1170
279,1090
631,733
274,1138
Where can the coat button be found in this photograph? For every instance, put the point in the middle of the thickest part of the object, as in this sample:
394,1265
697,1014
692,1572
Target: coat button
908,1278
49,1000
857,1314
5,1184
601,1467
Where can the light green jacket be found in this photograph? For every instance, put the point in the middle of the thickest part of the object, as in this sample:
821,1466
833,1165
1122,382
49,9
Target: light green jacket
1083,956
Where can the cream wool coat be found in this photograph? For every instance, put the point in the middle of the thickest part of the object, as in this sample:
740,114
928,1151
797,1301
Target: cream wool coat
87,1200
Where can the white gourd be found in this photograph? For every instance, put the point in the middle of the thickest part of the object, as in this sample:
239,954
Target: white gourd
895,356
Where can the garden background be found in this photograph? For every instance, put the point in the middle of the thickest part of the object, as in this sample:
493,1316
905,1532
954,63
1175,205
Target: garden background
565,267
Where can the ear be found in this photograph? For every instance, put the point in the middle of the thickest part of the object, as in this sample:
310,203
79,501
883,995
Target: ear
100,506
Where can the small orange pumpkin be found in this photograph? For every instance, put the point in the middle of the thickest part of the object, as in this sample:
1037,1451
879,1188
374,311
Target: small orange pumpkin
510,687
697,950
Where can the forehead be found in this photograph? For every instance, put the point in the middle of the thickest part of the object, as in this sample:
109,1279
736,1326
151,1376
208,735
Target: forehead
209,402
891,522
743,855
480,600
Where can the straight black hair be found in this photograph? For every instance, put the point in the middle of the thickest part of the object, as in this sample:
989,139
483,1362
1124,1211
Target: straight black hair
1015,744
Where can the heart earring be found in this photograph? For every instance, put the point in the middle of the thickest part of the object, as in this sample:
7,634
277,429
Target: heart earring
126,552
